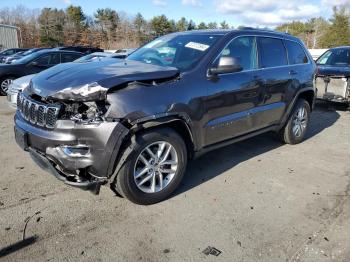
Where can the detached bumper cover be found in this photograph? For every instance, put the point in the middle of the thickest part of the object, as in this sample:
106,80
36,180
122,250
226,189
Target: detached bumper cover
103,139
45,164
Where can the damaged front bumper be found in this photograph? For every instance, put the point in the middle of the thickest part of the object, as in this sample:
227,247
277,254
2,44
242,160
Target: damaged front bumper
333,88
79,154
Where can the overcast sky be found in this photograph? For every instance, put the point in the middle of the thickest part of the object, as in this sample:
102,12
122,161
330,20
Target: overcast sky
235,12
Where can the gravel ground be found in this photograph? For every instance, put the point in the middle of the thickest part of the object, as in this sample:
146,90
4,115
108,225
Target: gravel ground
258,200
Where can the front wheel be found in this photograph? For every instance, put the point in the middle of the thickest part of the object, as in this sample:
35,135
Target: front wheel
4,85
295,130
154,168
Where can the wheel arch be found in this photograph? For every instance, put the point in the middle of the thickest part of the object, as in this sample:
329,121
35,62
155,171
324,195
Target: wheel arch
308,94
175,122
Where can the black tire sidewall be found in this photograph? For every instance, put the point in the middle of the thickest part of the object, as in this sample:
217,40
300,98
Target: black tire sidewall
125,177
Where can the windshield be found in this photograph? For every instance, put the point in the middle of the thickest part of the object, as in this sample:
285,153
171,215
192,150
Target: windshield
26,58
180,51
335,57
30,51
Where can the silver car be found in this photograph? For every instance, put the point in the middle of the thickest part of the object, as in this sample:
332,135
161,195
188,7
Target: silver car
17,85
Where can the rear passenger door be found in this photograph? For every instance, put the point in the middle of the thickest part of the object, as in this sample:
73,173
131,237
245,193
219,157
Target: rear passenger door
275,74
301,72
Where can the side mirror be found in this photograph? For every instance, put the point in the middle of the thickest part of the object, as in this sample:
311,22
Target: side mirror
226,65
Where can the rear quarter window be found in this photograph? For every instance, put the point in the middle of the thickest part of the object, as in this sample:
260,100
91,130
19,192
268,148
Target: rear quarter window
296,54
272,52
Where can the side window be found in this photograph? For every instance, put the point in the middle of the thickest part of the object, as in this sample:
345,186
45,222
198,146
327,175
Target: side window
244,50
65,58
47,60
55,59
272,52
43,60
296,54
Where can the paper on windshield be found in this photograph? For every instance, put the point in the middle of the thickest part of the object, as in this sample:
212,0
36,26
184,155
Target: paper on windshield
197,46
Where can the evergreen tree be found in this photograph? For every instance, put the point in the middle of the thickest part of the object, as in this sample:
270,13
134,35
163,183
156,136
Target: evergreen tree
338,33
182,24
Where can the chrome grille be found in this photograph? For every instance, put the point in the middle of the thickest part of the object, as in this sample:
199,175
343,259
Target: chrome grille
37,113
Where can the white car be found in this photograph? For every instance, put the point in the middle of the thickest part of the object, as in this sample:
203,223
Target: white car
17,85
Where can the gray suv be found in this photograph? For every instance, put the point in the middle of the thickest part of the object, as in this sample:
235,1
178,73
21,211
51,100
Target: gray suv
133,124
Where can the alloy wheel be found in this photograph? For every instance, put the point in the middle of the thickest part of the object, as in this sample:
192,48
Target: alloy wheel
155,167
5,84
299,122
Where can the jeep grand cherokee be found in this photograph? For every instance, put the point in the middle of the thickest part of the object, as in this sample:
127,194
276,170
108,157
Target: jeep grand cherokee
133,124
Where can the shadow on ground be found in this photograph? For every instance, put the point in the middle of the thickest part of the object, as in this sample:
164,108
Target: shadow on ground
218,161
18,246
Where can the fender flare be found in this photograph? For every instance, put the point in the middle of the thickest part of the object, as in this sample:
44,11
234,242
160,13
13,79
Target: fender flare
138,125
293,102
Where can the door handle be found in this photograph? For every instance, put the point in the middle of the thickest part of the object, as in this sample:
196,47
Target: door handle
293,72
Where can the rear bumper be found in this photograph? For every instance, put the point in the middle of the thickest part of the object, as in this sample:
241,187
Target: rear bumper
86,171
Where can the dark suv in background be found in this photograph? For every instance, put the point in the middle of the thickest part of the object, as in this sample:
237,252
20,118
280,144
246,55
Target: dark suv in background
32,64
133,124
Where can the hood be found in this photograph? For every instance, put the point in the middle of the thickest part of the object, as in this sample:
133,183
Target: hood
90,81
327,70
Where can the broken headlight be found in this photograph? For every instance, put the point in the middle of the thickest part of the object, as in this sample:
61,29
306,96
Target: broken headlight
86,112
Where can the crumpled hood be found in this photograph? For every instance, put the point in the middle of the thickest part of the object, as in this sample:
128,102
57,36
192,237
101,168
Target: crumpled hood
91,81
333,70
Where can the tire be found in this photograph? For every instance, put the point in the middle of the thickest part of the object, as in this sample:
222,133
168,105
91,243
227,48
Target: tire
4,82
298,120
134,171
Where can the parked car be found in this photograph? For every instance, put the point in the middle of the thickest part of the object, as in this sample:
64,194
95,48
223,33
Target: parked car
96,57
133,124
32,64
124,53
82,49
17,86
9,52
333,75
19,55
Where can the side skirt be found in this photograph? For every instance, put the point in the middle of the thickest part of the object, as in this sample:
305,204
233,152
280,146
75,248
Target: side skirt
206,149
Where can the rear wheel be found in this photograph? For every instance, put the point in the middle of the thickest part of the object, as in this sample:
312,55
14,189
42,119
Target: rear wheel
295,130
4,85
154,168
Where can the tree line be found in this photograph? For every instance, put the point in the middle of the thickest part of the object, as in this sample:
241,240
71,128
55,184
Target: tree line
322,33
109,29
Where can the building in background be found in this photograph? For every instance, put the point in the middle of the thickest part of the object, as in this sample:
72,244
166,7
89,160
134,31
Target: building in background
9,36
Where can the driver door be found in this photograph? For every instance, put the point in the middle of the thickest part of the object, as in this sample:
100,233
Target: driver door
232,96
